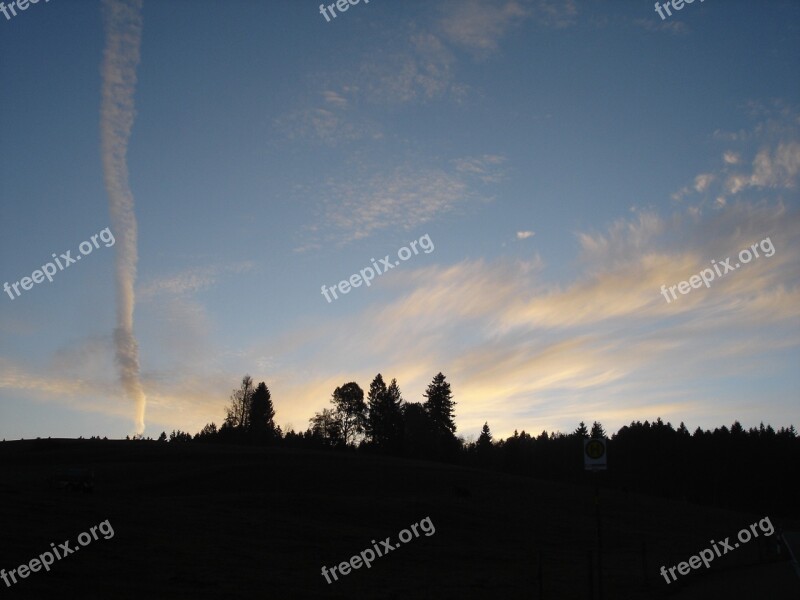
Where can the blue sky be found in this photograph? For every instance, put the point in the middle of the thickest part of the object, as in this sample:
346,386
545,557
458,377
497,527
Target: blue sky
566,158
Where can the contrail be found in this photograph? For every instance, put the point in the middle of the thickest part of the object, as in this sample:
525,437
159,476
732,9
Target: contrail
123,26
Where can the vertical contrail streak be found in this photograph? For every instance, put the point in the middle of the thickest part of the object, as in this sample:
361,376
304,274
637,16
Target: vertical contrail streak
123,27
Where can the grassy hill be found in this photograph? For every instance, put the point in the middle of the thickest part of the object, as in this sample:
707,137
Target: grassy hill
196,521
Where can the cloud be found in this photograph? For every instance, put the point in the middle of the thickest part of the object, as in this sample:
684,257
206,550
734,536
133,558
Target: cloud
190,281
421,69
774,144
672,27
123,25
479,25
701,182
777,169
328,121
731,158
406,197
524,235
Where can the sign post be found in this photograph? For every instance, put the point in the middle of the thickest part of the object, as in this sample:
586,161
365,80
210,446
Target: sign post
594,459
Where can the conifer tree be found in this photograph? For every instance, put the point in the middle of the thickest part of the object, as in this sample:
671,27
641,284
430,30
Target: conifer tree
439,404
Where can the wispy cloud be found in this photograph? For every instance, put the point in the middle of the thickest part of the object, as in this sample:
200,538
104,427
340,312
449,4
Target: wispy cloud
191,280
672,27
524,235
328,120
406,197
479,25
422,70
123,22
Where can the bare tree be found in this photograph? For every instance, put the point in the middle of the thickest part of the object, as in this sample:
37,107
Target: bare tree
239,411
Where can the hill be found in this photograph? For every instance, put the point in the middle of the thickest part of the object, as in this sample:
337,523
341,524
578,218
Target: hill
211,521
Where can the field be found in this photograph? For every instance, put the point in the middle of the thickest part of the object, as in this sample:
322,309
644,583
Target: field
195,521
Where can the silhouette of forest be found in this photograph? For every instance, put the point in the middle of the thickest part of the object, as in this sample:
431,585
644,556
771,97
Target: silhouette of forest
729,467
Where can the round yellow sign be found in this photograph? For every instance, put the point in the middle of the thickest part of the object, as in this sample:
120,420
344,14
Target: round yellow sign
595,449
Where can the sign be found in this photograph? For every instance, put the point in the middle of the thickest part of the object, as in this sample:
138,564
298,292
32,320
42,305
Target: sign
594,454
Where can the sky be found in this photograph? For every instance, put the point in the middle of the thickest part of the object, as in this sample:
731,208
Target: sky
565,159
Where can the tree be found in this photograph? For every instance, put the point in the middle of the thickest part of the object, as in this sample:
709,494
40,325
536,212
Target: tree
239,411
162,437
180,436
581,431
326,427
262,413
439,404
376,400
350,411
207,433
484,443
384,424
597,430
394,417
419,431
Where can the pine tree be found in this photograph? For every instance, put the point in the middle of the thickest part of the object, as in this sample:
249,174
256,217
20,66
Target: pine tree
385,421
439,404
581,431
262,412
394,417
376,405
485,439
597,430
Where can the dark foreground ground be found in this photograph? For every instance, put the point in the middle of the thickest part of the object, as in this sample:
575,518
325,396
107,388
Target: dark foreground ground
193,521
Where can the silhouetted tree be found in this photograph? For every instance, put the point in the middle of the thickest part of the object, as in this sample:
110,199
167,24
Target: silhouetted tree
385,420
326,428
179,436
262,413
485,438
207,433
484,444
581,431
597,430
238,413
439,404
350,411
419,431
162,437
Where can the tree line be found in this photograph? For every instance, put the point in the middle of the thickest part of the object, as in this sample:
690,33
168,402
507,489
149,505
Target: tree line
731,467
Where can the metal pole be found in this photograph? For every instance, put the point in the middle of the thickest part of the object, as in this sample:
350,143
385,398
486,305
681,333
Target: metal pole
599,539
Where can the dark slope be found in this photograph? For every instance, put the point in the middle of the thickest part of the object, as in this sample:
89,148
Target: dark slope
194,521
